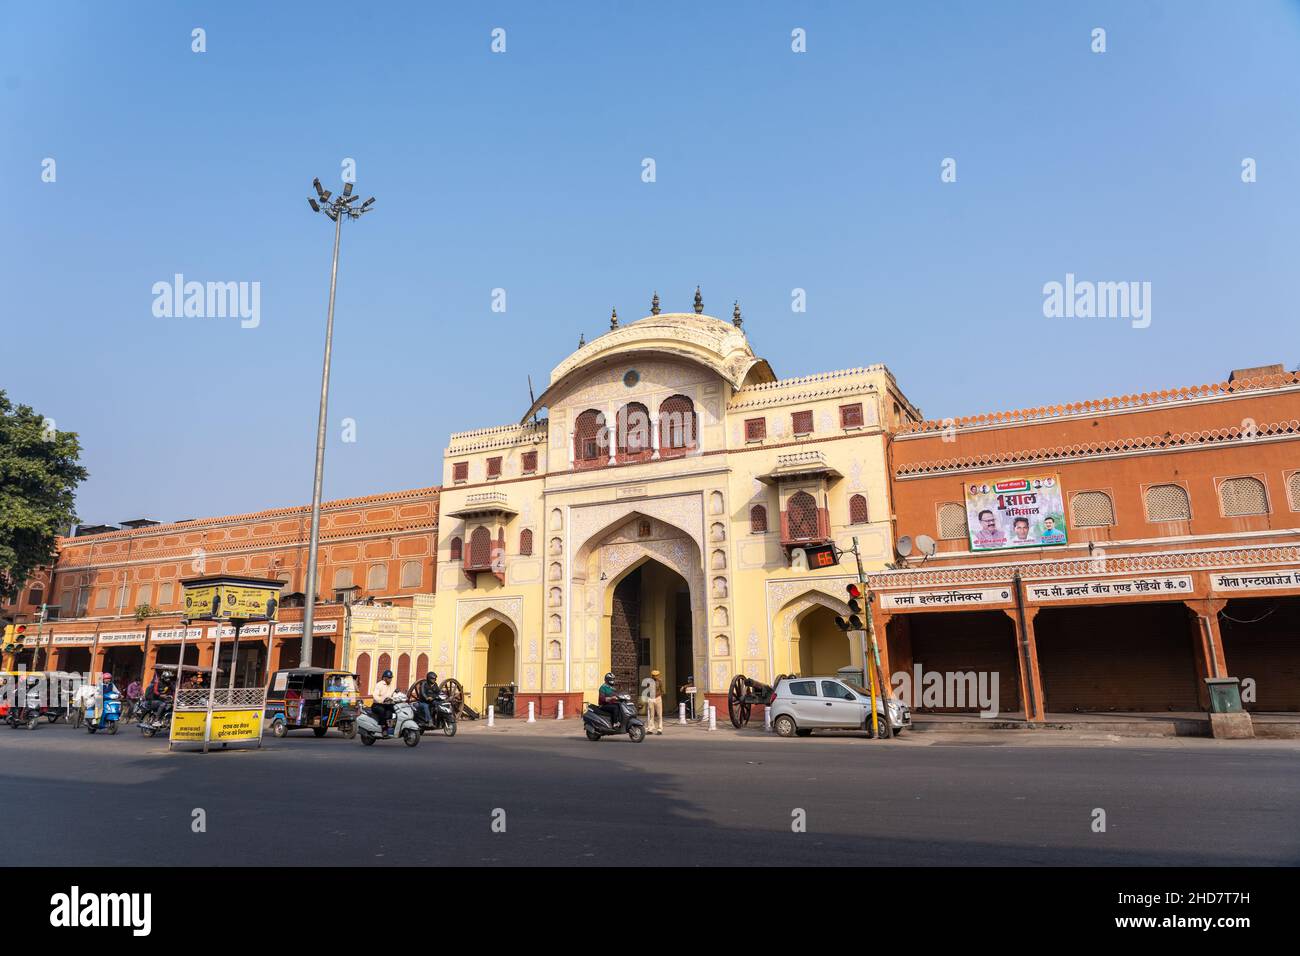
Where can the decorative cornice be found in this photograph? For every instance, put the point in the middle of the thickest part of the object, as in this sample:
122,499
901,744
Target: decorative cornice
1182,441
1121,403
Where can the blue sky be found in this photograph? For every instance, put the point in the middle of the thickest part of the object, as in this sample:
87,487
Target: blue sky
522,171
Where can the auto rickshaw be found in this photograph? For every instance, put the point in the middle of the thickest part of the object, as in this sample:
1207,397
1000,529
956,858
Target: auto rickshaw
313,698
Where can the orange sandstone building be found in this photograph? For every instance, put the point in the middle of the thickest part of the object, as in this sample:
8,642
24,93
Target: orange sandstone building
120,599
1173,556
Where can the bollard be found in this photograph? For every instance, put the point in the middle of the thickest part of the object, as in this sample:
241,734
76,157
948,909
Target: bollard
767,718
532,719
713,717
492,715
681,714
559,709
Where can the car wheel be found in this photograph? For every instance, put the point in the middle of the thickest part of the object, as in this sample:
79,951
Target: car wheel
785,726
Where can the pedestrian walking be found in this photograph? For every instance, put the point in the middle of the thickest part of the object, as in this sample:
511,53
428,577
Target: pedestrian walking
652,695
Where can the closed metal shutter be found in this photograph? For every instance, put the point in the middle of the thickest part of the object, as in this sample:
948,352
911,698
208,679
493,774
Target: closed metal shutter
982,641
1139,657
1261,643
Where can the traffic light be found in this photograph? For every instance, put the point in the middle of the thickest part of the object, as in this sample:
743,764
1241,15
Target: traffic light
854,621
14,637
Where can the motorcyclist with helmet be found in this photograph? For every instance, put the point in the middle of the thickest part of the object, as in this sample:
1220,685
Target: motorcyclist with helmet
158,695
382,703
608,699
426,695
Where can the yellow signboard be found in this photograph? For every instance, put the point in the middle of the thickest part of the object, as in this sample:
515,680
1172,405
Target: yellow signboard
228,725
224,602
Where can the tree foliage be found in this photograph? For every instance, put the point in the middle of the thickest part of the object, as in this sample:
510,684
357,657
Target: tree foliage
39,474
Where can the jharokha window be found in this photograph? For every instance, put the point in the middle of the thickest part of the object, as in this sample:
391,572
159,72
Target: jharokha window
633,432
494,467
858,509
758,520
480,548
590,441
851,416
530,462
455,549
755,429
802,423
460,471
526,542
801,517
678,426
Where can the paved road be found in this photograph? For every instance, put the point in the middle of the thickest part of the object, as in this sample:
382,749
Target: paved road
685,798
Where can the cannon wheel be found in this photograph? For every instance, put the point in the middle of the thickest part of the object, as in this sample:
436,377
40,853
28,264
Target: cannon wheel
455,694
738,707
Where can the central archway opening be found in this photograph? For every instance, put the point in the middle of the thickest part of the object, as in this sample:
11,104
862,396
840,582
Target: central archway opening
823,647
651,628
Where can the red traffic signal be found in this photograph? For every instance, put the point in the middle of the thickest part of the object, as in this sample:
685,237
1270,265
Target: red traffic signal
854,621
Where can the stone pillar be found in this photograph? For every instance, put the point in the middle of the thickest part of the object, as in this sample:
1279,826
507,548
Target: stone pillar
654,440
1031,680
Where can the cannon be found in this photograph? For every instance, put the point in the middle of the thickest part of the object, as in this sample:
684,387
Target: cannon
744,692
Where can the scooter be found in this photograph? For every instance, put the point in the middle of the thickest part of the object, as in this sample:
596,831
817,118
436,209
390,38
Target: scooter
444,717
404,724
106,715
597,724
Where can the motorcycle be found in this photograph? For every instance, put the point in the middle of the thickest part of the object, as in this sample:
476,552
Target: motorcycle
444,717
597,723
151,724
404,724
106,715
28,715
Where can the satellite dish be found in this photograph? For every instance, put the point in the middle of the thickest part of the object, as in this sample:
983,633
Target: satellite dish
925,544
904,546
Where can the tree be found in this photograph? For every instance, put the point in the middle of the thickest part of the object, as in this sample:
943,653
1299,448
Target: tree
39,474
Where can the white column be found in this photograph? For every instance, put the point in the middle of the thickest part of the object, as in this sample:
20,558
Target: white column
654,440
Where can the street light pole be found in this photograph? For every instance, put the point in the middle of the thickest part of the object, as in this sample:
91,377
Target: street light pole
338,209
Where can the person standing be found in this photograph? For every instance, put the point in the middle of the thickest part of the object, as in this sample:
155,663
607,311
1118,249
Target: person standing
652,694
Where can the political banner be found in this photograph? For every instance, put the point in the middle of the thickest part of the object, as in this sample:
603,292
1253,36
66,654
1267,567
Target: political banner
1015,513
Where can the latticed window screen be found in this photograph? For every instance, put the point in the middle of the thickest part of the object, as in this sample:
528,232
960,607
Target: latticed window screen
588,436
801,516
758,519
530,462
802,422
455,549
1243,496
633,427
952,521
755,429
1092,509
851,416
858,510
480,547
526,542
460,471
677,423
1293,490
1168,503
494,467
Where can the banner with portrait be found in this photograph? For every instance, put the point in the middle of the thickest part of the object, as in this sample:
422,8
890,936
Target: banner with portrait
1015,513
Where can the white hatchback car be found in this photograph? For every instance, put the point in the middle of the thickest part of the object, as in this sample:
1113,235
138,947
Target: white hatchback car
801,705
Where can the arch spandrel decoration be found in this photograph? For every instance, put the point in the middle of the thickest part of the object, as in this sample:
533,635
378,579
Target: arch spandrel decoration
683,512
507,610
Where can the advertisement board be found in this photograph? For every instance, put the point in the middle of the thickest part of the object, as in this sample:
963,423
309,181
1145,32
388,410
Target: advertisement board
1020,512
224,601
228,725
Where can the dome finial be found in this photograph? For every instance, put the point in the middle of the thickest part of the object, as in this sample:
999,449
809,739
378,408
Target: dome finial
735,316
582,340
654,304
613,319
699,302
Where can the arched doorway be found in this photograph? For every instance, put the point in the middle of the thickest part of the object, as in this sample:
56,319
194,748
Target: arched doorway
823,647
651,627
493,659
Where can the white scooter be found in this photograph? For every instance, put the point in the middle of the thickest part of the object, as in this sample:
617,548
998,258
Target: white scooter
404,724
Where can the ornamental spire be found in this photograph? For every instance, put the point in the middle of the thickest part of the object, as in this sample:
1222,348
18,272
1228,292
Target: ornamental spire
654,304
699,302
613,319
735,316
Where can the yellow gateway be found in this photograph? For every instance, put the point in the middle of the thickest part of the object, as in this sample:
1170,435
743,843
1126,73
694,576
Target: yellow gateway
640,515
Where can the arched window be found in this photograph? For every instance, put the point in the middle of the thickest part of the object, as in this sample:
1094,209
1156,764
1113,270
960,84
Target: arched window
858,509
1167,503
385,664
801,517
678,425
363,673
632,426
480,547
404,671
1293,490
526,542
455,549
590,440
36,597
1092,509
412,574
1243,496
952,521
421,666
342,578
377,578
758,519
